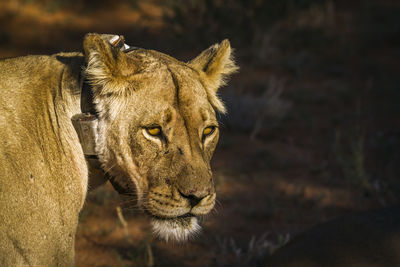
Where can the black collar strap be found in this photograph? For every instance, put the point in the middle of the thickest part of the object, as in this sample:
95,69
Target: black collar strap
87,105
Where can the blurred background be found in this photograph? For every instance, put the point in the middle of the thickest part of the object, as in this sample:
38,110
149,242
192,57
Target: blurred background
312,133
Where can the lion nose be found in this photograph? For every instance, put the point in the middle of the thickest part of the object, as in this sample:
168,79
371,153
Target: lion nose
194,197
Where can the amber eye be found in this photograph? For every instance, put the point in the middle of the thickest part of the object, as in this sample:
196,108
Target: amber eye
154,131
208,130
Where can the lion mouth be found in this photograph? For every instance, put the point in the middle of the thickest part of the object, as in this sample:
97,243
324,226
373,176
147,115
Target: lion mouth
179,228
186,215
174,217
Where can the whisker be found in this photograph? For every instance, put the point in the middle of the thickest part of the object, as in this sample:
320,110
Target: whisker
107,170
127,202
132,208
218,203
129,197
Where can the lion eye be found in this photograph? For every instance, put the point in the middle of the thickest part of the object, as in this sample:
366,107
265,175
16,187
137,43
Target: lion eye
154,131
208,130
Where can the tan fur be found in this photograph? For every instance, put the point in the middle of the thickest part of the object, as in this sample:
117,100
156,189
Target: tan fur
44,172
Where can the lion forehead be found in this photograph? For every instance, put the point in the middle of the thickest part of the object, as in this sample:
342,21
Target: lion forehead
174,84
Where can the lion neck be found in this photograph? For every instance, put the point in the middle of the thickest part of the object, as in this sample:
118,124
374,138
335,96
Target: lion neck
90,135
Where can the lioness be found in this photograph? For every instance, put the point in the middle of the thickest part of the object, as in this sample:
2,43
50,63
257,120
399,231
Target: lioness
155,137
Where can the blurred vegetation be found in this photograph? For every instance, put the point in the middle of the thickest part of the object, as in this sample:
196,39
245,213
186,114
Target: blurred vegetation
79,5
252,254
238,20
313,115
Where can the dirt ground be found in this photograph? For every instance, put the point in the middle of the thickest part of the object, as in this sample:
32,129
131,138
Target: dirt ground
327,144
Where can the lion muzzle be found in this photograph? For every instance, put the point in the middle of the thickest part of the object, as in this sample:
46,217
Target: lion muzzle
174,215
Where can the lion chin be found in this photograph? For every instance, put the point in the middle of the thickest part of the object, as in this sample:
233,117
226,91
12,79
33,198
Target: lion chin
177,229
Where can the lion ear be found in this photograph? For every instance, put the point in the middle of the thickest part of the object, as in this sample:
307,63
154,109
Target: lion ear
107,66
215,64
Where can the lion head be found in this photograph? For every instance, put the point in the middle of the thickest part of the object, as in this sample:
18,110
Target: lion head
157,128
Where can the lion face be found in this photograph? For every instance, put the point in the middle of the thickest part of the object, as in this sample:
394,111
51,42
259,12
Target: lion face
158,130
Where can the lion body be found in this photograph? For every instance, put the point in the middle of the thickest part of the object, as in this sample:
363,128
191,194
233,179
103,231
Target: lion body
44,174
43,170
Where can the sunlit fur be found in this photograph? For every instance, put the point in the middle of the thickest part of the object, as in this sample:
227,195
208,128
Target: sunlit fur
216,74
149,84
43,171
178,229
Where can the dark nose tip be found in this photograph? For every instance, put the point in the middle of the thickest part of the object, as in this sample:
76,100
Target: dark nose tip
194,200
